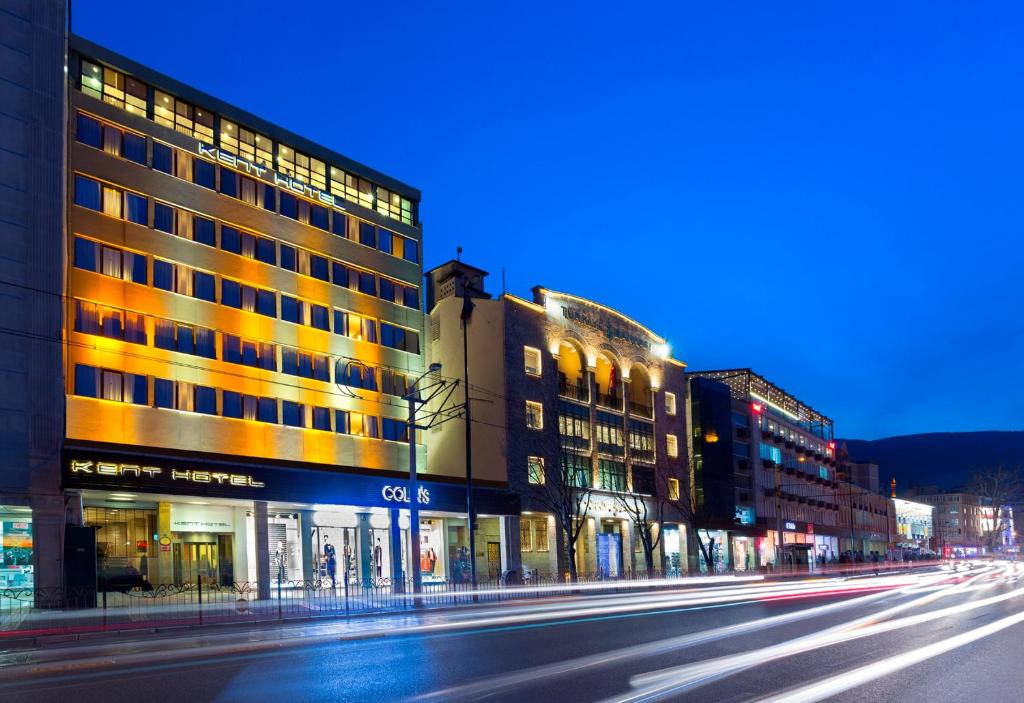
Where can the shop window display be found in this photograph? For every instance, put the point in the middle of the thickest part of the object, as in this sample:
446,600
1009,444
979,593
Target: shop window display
16,569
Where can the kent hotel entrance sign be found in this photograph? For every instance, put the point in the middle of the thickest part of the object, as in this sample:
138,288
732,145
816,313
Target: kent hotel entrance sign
95,470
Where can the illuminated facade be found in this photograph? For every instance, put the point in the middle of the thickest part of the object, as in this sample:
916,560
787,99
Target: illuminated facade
564,386
965,526
915,530
763,463
242,316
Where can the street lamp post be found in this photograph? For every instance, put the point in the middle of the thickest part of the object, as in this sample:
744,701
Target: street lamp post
414,486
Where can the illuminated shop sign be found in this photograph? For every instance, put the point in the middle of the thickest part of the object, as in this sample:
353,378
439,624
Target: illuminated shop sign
606,327
790,525
280,179
400,494
744,515
106,468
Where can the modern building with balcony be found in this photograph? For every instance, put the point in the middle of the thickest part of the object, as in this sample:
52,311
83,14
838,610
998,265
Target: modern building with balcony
762,465
565,390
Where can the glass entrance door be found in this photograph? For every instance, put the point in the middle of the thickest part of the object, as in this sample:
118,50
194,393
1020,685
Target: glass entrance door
199,562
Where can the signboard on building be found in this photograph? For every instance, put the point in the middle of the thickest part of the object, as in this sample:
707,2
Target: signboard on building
201,518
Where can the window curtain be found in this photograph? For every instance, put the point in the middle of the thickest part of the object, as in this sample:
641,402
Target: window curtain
112,262
112,204
185,396
183,279
248,298
113,386
249,192
112,323
111,140
184,228
87,317
135,328
248,407
248,245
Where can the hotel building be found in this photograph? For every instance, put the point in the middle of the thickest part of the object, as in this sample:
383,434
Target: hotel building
241,319
763,464
563,386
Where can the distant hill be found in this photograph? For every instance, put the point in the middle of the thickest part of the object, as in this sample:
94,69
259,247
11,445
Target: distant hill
944,459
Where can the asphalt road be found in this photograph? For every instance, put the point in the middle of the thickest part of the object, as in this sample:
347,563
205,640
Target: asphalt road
933,637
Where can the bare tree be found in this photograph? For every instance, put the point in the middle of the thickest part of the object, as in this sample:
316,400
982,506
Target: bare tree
999,486
565,490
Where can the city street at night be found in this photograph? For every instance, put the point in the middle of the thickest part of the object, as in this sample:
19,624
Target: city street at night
937,634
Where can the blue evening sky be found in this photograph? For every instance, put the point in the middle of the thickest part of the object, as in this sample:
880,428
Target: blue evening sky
829,193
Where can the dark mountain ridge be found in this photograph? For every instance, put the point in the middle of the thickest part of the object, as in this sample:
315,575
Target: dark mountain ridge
943,459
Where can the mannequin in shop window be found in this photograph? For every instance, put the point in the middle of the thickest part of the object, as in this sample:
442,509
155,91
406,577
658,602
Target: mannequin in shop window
332,562
378,558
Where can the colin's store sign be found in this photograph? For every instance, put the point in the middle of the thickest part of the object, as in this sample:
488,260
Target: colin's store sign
83,470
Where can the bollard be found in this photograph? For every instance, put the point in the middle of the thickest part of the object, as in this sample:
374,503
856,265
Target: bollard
199,584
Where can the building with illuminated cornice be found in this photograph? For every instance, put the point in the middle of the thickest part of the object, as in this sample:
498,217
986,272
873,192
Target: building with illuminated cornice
565,392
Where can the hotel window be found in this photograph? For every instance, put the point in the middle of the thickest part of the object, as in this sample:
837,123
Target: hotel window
525,535
673,489
184,280
305,262
111,139
187,339
355,374
397,245
535,470
398,293
356,424
113,87
113,202
367,234
249,352
286,161
204,174
174,395
247,244
359,190
92,382
534,415
246,143
531,360
305,364
182,117
112,323
293,414
670,403
612,475
399,338
394,430
393,382
672,445
248,298
358,327
110,261
206,400
322,419
302,312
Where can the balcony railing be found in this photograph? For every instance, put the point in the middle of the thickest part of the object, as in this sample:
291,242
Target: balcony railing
643,455
641,409
610,448
574,391
613,402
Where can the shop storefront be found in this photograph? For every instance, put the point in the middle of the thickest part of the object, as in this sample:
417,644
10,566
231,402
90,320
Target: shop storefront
170,521
16,569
